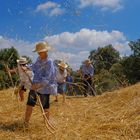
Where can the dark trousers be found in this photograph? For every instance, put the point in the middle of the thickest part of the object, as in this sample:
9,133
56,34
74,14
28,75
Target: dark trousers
45,98
87,84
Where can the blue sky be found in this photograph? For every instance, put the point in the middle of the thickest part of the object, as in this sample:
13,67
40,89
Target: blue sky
72,27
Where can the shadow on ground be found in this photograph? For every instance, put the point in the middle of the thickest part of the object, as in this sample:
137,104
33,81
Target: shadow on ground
18,125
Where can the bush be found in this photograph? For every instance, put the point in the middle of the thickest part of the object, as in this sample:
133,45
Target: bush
4,80
104,81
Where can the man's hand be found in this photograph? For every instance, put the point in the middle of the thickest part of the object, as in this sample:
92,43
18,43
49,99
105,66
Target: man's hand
36,86
21,95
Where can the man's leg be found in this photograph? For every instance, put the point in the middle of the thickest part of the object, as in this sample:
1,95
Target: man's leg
90,83
47,113
56,98
45,100
28,113
64,89
85,87
21,95
30,104
64,97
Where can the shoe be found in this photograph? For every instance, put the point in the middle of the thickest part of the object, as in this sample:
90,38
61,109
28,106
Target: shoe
85,95
56,100
25,125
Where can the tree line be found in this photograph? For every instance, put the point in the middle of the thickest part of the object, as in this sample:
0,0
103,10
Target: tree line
111,70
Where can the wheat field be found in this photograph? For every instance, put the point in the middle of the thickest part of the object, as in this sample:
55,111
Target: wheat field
110,116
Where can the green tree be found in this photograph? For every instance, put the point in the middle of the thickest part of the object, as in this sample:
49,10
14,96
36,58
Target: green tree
135,47
117,71
8,57
104,58
4,80
131,63
105,81
131,66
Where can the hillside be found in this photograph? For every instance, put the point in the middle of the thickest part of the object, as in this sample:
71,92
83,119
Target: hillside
111,116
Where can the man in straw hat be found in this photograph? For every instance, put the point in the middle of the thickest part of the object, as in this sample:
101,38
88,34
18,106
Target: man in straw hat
24,80
43,83
87,74
61,75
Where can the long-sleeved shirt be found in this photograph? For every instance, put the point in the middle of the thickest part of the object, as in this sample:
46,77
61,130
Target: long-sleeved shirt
44,73
87,70
24,79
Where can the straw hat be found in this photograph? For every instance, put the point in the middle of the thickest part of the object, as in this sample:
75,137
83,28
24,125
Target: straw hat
63,65
22,60
88,61
42,47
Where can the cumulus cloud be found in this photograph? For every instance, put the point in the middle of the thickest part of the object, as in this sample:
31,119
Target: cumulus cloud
86,40
73,48
50,8
73,59
103,4
23,47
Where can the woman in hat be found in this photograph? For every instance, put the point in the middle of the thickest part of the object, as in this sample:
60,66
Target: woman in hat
61,75
44,82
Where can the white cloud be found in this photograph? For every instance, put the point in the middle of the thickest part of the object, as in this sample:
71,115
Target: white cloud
72,47
23,47
86,40
104,4
73,59
50,8
75,47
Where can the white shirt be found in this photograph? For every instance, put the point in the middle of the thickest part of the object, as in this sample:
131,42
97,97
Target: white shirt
61,77
24,80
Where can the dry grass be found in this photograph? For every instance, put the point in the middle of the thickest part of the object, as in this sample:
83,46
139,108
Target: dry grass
111,116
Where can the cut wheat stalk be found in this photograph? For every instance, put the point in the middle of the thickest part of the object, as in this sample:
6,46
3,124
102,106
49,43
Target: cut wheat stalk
47,123
92,89
79,85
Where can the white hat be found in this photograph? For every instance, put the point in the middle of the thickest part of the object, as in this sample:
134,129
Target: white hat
87,61
42,47
22,60
63,65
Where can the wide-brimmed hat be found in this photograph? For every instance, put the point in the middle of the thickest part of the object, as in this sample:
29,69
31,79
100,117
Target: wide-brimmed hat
22,60
87,61
63,65
42,47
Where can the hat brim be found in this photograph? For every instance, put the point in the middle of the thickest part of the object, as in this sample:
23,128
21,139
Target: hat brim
21,62
43,50
88,62
63,66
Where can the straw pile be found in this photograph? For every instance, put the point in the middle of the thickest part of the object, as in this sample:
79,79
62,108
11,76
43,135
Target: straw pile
111,116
